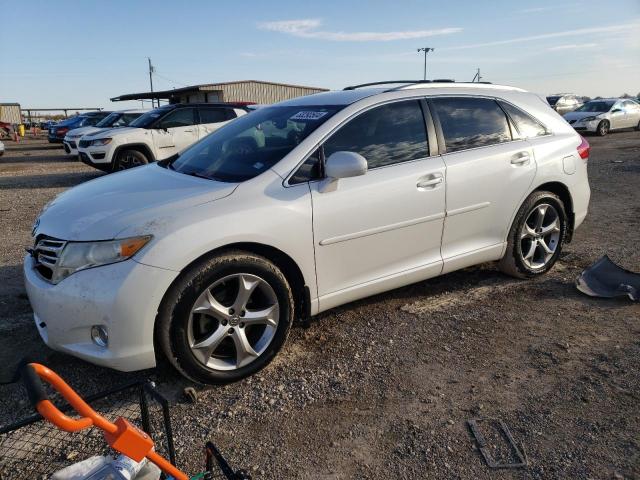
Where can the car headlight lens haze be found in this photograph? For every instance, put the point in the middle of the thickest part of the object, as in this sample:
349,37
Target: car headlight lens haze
100,142
82,255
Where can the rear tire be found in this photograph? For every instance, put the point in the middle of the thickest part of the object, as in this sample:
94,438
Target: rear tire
536,236
638,126
603,128
226,318
129,159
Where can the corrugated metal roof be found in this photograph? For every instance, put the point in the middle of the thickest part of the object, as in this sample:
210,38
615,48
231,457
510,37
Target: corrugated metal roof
226,87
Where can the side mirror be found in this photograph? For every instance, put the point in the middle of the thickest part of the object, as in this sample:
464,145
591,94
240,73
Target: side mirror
342,165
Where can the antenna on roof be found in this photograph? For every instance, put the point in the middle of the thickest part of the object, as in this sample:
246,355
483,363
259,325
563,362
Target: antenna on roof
477,76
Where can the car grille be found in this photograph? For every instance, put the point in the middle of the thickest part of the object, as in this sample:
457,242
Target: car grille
72,144
46,253
84,143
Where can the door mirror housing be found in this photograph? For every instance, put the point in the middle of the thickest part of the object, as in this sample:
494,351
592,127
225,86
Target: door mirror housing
345,165
342,165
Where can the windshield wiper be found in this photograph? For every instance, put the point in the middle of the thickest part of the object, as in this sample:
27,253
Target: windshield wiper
199,175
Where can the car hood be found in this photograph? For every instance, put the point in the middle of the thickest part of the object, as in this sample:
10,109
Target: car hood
81,131
579,115
114,131
146,198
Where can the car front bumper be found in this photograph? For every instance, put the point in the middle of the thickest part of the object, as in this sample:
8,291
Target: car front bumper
122,297
70,146
591,126
97,157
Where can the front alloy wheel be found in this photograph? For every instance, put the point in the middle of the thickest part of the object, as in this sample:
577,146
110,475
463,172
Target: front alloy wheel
233,321
226,317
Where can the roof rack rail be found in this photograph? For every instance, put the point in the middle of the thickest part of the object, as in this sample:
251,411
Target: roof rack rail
386,82
408,83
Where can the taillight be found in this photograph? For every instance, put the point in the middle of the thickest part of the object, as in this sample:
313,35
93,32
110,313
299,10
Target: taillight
583,149
62,131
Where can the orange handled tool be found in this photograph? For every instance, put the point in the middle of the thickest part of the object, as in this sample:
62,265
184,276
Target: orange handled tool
122,436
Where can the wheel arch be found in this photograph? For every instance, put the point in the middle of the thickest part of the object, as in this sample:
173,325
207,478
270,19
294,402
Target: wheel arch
284,262
562,191
139,147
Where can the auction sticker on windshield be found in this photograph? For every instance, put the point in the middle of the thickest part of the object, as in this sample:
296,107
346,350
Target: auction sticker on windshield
308,115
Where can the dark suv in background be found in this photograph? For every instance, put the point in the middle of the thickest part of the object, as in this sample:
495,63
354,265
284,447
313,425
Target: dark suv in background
565,102
60,129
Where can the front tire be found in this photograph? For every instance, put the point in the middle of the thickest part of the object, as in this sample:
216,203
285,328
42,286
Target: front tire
536,236
129,159
603,128
226,318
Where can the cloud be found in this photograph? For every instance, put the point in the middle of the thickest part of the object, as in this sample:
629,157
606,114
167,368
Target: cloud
309,28
546,36
572,46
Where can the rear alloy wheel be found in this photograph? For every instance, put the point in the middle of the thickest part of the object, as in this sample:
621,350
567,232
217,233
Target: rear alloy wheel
226,318
536,236
130,159
603,128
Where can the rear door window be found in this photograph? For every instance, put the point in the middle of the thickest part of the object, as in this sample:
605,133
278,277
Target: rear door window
471,122
182,117
213,115
527,126
384,135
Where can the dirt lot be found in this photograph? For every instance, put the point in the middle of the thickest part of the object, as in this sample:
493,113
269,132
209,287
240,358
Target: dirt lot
382,388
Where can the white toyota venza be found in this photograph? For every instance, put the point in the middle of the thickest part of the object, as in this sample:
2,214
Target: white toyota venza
207,258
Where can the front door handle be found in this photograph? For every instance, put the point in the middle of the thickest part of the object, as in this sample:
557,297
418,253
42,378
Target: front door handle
430,182
522,158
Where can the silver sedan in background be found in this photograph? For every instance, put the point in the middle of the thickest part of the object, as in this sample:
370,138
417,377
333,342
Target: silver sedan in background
603,115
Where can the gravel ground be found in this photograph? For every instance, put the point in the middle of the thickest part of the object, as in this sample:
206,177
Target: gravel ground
382,388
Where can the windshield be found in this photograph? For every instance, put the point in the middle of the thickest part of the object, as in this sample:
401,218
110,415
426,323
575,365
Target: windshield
251,144
71,121
553,100
109,120
146,120
117,119
598,106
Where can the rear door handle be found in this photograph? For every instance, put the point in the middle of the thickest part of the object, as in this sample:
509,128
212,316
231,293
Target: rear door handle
522,158
430,182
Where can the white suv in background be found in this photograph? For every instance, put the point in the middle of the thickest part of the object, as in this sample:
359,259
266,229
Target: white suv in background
156,135
121,118
207,258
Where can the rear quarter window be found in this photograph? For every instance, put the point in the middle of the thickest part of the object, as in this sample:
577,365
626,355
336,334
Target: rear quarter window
527,126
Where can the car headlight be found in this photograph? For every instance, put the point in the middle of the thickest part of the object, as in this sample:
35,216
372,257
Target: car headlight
588,119
78,256
99,142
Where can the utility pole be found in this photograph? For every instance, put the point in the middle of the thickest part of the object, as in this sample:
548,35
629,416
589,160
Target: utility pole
477,75
425,50
151,79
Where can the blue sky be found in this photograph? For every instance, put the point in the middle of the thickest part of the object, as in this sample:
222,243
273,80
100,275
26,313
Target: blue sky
81,53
